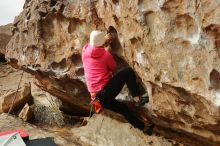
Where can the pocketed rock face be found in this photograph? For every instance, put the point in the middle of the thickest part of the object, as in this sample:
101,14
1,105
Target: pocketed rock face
173,45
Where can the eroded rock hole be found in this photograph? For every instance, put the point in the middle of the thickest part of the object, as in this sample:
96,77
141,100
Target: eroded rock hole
80,72
47,28
2,58
133,40
62,7
43,14
214,32
73,24
145,17
105,4
13,62
215,85
28,16
170,5
116,19
115,45
140,2
187,28
111,29
26,2
53,3
59,67
76,59
215,79
186,96
115,1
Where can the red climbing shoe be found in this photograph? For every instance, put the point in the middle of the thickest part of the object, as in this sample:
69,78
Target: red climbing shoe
96,105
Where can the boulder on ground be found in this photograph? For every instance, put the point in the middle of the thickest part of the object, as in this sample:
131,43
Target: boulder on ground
26,113
108,128
23,96
172,45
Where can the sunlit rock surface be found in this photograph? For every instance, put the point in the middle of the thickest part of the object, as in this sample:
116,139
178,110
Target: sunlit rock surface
107,129
173,45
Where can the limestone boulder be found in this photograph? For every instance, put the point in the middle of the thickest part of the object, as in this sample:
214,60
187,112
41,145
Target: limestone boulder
18,100
26,113
109,128
173,46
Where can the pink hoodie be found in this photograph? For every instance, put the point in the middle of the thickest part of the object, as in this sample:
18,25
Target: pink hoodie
98,67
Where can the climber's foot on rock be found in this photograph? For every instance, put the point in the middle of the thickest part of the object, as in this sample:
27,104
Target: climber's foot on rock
143,101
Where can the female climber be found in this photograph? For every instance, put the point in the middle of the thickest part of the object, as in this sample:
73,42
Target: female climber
102,81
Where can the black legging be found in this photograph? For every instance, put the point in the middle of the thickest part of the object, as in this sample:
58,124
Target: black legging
113,88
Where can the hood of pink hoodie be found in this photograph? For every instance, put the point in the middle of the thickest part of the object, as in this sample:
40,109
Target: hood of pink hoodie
94,51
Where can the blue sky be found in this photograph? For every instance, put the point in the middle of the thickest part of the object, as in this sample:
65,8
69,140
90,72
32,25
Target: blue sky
9,9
